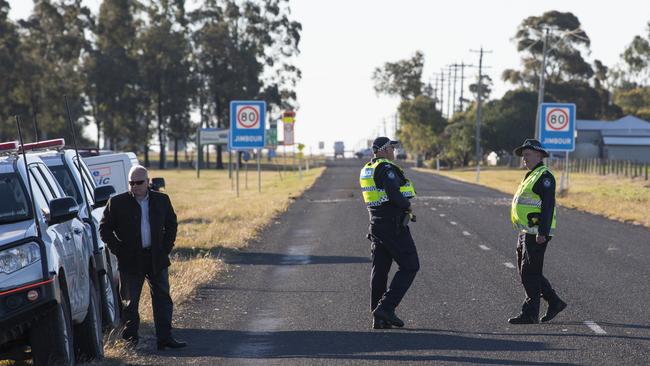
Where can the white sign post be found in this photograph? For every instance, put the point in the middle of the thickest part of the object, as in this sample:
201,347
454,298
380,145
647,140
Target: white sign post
557,132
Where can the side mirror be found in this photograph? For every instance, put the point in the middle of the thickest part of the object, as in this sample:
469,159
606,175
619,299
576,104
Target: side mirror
102,194
157,183
62,210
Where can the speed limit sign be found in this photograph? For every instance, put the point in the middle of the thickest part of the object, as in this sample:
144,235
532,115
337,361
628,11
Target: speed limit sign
557,130
557,119
247,124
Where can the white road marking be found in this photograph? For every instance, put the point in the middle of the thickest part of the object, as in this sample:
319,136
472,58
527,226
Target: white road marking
433,208
595,327
509,265
466,233
442,215
453,222
484,247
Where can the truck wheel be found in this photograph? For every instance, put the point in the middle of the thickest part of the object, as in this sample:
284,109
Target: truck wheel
111,309
51,337
89,342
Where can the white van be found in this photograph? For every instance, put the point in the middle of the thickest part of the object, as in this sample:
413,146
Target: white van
112,169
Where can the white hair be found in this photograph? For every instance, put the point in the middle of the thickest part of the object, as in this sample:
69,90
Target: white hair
136,168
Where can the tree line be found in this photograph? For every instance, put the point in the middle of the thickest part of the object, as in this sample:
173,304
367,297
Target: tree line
599,92
138,68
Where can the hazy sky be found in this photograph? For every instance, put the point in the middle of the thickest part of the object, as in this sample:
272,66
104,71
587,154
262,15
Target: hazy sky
343,41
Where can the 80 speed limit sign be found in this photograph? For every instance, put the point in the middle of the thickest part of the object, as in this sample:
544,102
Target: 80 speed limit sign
557,119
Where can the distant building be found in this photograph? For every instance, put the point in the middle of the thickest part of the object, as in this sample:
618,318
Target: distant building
625,139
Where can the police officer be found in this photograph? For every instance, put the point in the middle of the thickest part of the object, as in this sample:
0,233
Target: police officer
386,192
533,216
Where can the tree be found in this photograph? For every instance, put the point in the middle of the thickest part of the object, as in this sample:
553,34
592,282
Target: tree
635,101
165,71
9,58
421,125
564,57
402,78
509,121
112,83
637,58
53,44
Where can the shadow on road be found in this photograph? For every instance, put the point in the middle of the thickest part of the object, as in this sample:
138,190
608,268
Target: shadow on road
382,346
259,258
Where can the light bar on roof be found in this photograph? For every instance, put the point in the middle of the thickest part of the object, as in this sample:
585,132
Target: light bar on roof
47,144
11,146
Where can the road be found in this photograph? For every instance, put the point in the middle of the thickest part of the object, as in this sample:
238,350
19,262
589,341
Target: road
300,295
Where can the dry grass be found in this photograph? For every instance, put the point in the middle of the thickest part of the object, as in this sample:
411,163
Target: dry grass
211,218
617,198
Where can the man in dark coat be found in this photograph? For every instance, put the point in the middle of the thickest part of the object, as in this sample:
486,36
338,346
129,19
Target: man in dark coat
139,227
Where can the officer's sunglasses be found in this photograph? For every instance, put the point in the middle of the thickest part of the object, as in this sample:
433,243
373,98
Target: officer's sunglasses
135,182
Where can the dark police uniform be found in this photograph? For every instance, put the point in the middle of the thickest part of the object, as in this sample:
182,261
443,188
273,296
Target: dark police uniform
391,241
530,254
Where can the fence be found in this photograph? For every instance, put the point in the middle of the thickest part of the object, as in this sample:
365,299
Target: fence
622,168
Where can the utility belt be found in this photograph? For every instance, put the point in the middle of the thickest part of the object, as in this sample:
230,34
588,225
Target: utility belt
397,222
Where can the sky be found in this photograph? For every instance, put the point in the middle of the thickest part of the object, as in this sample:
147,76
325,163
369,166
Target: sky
344,41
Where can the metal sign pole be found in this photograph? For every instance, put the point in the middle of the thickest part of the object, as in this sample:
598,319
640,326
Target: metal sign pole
246,175
259,170
237,174
198,152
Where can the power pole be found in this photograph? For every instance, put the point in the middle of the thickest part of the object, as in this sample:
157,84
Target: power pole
449,93
453,104
442,89
478,113
540,95
462,79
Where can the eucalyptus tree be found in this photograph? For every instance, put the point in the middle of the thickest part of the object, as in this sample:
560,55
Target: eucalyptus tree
112,77
53,41
164,66
9,59
402,78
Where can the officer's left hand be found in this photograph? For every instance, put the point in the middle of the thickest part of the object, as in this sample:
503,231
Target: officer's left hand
540,239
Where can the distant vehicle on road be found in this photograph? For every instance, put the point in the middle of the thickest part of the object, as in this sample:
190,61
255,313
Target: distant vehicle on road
364,153
400,154
339,149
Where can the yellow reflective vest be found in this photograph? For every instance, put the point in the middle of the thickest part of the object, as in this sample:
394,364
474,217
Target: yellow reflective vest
526,202
374,196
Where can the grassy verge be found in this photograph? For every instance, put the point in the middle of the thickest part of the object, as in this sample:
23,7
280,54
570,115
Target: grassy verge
211,219
614,197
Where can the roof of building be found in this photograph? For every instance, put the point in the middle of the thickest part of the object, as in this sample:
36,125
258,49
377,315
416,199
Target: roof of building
629,123
627,141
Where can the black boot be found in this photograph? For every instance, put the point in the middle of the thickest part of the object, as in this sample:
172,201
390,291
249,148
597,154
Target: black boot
388,316
553,309
380,324
523,319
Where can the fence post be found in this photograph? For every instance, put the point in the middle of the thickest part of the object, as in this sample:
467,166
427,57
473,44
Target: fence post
646,171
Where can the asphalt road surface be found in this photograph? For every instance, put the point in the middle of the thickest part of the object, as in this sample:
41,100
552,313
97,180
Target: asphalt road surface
300,296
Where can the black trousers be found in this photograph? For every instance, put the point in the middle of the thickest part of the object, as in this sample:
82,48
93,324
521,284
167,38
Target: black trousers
131,289
391,242
530,262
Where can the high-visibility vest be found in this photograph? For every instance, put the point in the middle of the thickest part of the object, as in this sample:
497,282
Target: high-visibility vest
374,196
526,202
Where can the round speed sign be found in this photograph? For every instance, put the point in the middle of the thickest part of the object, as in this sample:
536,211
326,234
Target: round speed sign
557,119
248,117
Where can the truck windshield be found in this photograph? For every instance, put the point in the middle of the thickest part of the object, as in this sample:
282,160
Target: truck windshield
64,177
14,205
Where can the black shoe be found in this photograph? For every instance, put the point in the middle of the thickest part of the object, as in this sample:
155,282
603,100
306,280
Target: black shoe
380,324
553,310
388,316
523,319
170,343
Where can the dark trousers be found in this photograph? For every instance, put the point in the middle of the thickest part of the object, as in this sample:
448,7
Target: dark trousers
530,262
390,242
131,289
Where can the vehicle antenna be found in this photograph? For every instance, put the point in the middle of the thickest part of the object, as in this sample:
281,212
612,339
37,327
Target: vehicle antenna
29,179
